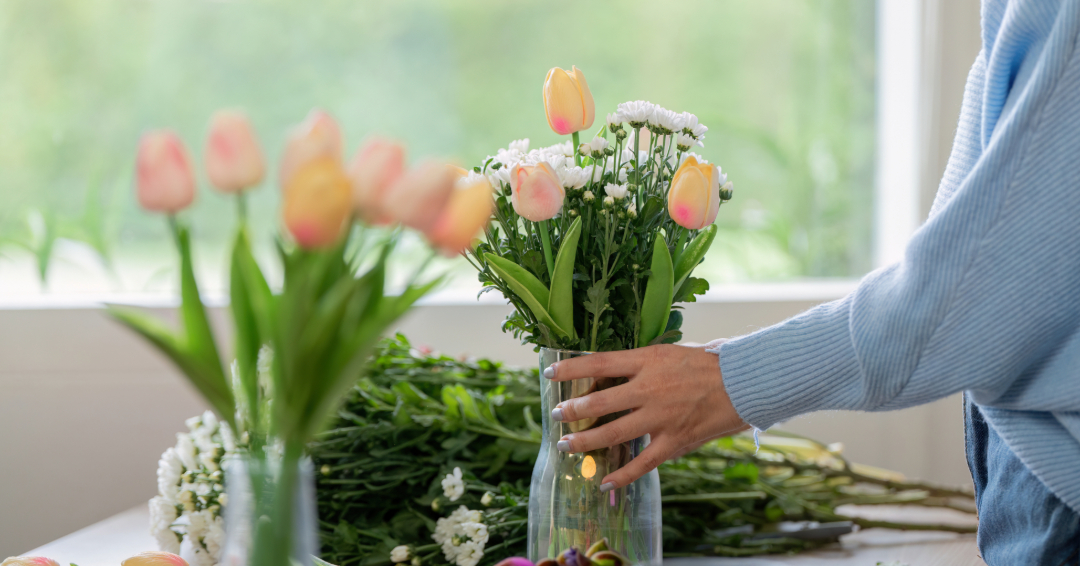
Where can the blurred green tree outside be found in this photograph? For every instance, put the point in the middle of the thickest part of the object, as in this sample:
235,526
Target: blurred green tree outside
785,86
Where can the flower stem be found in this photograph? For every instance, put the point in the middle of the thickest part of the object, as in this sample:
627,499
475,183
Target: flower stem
577,142
545,238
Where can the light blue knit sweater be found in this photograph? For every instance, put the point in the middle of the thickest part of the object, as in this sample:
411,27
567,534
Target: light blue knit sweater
987,297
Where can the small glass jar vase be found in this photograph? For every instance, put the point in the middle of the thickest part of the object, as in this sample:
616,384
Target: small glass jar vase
566,507
254,487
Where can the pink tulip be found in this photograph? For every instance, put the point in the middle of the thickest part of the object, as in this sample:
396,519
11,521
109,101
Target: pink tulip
154,558
164,180
420,195
537,192
376,167
567,101
234,160
468,211
29,561
317,204
515,561
694,197
318,136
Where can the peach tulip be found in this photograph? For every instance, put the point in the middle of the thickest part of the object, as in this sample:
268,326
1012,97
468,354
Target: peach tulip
568,102
420,196
468,210
317,203
318,136
694,197
154,558
164,180
29,561
537,194
376,167
234,160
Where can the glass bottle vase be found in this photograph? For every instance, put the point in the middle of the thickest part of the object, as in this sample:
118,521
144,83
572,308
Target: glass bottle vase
566,507
254,487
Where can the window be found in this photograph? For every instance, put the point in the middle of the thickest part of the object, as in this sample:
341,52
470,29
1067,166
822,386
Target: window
787,88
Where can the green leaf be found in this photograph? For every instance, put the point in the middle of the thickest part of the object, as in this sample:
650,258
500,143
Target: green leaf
656,307
199,337
596,298
560,302
692,286
527,287
250,304
693,254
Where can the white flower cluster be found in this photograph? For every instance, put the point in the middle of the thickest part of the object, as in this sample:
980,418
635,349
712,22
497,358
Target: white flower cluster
462,536
559,156
660,121
191,491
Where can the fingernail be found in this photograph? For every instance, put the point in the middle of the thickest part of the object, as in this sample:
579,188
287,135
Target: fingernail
606,487
556,414
563,445
549,372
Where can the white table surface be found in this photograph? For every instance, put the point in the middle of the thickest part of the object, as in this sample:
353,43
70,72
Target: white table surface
109,542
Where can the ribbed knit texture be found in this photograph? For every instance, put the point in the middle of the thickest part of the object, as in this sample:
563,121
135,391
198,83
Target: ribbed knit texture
987,297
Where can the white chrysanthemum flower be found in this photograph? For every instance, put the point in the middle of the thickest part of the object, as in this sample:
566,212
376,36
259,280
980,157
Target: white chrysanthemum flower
688,155
566,149
626,156
614,120
471,179
615,191
215,537
469,553
598,144
622,175
662,119
400,554
631,209
588,196
477,532
185,449
685,141
572,177
521,145
609,201
487,499
453,486
170,468
200,557
691,126
636,112
162,517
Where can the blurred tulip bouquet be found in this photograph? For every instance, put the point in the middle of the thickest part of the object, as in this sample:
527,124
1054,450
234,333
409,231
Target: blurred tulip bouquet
312,337
594,242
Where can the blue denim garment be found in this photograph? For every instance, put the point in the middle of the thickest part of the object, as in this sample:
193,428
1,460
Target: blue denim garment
1020,521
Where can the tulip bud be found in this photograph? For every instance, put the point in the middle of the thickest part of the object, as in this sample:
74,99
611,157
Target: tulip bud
468,210
234,160
421,195
376,167
537,194
317,203
568,102
29,561
154,558
164,180
694,196
515,561
318,136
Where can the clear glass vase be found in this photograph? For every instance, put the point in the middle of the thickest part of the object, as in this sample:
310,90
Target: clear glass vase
566,506
254,487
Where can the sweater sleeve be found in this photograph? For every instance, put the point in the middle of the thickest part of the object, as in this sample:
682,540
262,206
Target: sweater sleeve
988,292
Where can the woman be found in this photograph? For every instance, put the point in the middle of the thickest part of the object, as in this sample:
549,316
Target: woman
985,301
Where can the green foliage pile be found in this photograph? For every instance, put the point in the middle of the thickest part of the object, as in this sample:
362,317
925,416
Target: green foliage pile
415,417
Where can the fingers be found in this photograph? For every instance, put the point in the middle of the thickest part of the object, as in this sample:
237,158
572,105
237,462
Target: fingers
606,364
623,429
649,459
596,404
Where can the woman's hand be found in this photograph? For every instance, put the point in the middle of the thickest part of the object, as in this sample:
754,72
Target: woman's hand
677,396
